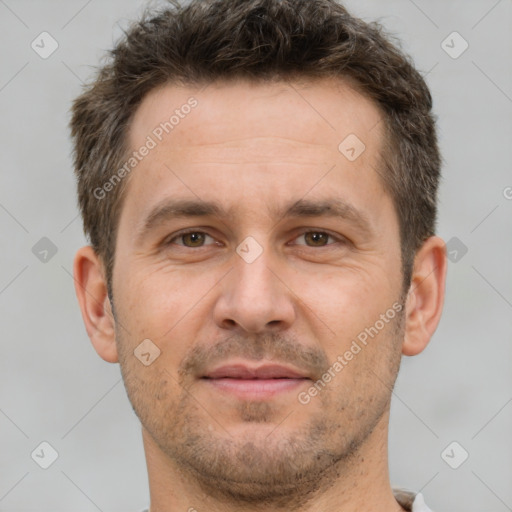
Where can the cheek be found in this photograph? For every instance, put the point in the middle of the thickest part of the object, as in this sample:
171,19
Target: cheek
345,301
168,307
158,294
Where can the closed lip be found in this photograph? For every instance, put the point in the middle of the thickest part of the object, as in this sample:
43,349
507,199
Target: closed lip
248,372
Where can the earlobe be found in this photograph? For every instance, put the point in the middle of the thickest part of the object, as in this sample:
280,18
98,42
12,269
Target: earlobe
91,291
426,296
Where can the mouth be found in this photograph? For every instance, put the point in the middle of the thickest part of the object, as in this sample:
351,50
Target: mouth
254,383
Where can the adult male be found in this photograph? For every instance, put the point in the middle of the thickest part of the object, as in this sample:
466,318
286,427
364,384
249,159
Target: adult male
258,181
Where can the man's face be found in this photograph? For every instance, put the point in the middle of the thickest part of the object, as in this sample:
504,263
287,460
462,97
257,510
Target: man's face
269,279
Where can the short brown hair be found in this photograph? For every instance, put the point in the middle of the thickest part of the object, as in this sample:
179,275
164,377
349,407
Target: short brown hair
260,40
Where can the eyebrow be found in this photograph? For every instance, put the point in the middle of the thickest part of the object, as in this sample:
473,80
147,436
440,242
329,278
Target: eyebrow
302,208
332,207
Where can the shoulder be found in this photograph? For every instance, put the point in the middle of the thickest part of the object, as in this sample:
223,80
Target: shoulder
411,501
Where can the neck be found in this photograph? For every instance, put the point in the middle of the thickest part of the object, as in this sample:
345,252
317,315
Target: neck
361,483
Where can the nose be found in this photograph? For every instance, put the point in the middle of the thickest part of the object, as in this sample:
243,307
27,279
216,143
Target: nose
254,297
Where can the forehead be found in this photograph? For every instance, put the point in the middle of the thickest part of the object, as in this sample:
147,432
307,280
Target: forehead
234,139
316,112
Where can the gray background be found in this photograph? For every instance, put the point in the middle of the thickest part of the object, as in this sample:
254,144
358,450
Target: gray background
55,388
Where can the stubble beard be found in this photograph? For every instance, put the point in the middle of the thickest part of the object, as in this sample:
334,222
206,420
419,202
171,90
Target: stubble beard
283,468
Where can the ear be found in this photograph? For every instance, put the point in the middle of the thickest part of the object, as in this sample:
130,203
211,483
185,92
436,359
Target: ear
426,295
91,291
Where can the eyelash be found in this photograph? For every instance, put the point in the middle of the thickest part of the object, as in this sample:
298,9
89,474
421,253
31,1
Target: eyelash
338,239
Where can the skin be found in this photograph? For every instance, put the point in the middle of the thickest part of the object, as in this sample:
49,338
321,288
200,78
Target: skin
255,149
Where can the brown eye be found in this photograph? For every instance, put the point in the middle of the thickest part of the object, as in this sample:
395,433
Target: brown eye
191,239
195,239
316,238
